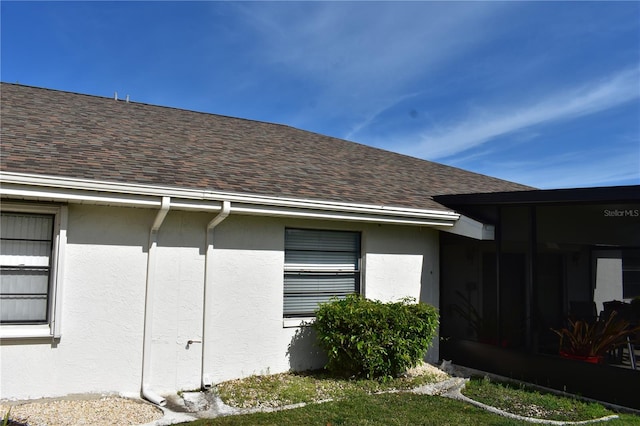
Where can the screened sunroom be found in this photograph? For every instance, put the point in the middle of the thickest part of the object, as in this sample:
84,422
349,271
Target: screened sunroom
555,257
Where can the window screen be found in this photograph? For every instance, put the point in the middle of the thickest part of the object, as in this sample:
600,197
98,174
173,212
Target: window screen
319,265
25,264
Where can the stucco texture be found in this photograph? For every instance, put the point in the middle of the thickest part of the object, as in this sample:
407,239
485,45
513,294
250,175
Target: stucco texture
243,331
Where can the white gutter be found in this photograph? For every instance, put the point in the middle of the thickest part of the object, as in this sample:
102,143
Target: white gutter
17,185
207,313
370,216
148,305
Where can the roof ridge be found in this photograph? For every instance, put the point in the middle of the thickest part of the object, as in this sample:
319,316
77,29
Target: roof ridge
151,105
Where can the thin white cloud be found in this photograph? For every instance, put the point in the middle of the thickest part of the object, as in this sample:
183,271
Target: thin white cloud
361,44
475,130
385,105
362,57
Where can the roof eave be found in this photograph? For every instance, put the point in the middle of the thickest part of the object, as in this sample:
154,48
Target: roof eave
73,190
544,196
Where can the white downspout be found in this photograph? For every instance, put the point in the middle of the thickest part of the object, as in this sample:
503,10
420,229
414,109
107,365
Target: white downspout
208,293
148,305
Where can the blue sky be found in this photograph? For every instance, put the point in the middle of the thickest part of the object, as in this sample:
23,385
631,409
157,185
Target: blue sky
542,93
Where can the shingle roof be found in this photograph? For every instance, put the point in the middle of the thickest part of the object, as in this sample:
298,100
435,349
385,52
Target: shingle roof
65,134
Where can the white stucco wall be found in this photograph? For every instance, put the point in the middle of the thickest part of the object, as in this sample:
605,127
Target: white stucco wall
104,294
247,335
401,262
178,304
102,313
397,262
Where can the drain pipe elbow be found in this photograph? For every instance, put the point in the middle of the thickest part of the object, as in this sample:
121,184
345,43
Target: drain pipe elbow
224,212
153,397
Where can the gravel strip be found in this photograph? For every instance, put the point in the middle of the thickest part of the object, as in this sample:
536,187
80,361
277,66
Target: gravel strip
106,411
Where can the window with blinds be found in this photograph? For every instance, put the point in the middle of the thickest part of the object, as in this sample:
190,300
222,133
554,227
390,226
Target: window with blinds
25,264
319,265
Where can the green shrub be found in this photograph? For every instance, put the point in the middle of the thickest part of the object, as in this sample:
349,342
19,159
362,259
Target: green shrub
373,339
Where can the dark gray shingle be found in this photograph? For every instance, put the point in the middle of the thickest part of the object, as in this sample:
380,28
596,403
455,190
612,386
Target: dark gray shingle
72,135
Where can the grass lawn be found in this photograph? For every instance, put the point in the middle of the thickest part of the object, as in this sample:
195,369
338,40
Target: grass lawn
383,409
354,403
524,401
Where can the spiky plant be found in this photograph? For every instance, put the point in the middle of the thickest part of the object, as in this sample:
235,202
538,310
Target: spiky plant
595,339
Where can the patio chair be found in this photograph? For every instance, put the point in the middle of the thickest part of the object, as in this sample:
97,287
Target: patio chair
632,354
624,311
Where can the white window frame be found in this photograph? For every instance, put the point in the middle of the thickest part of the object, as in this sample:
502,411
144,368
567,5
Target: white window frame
53,329
296,321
